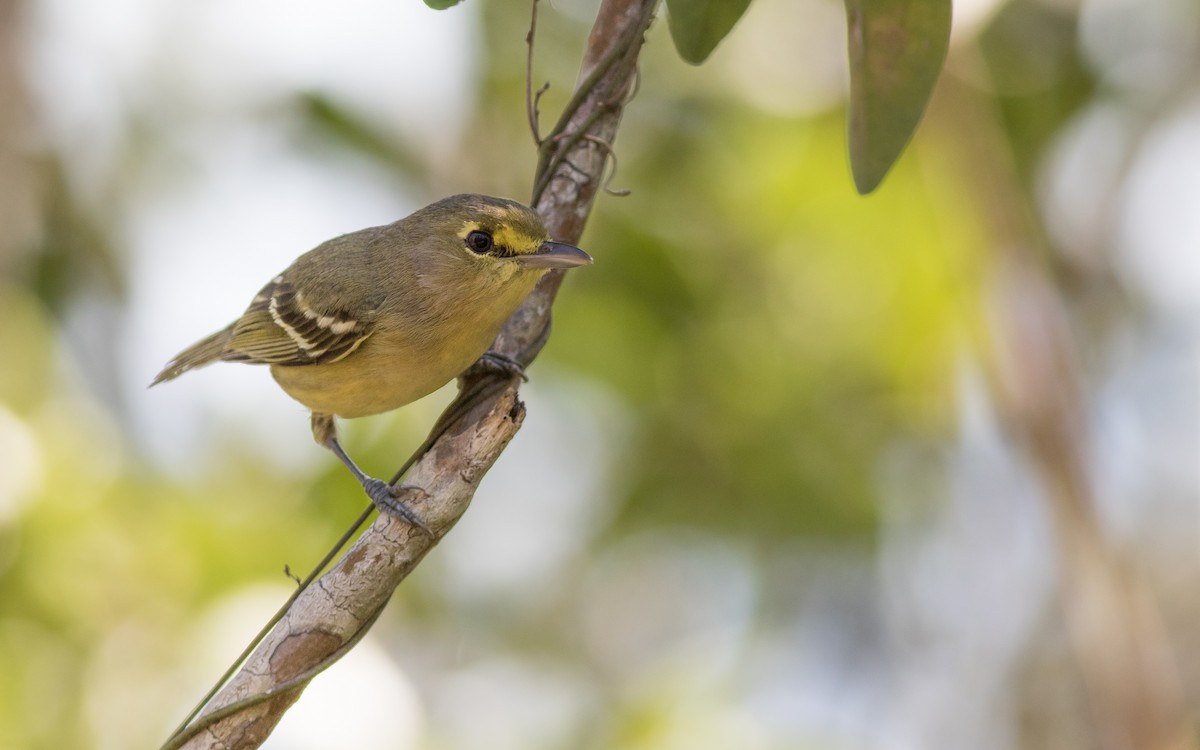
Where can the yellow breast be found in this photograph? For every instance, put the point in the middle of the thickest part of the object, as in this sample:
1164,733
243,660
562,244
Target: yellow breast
388,371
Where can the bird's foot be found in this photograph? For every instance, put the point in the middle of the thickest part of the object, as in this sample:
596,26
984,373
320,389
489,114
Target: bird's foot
504,365
389,498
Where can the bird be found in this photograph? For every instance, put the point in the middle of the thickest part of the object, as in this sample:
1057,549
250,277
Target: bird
375,319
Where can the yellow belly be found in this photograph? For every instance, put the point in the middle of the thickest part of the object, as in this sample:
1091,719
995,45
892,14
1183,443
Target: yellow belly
384,373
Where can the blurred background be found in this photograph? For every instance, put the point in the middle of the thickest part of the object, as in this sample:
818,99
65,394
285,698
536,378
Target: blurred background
801,469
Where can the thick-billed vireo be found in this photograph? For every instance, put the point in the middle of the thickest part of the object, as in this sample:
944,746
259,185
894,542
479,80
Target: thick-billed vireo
375,319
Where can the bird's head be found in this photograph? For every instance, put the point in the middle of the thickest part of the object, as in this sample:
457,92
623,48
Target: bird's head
498,239
475,258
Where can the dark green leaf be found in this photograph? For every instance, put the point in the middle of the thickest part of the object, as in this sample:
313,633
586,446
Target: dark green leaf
698,26
441,4
897,48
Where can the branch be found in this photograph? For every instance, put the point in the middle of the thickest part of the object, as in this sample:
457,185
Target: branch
328,618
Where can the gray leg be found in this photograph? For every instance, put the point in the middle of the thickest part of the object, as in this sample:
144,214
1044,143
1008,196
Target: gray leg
386,497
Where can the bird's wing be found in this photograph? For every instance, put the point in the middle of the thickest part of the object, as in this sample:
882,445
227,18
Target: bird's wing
281,327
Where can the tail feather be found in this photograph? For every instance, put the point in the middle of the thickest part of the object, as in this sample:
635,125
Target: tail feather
205,351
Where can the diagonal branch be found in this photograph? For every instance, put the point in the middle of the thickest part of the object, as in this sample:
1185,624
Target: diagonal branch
328,618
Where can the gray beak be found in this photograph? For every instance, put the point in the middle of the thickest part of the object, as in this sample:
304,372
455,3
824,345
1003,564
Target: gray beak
555,255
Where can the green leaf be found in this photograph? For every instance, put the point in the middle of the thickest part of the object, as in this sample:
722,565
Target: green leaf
897,48
441,4
698,26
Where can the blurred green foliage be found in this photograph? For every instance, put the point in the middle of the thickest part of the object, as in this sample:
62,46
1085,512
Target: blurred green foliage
745,386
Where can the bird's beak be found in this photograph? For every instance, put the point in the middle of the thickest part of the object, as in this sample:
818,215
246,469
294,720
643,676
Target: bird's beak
555,255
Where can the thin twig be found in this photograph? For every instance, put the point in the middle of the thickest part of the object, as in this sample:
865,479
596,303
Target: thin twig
585,89
610,153
564,142
530,100
537,115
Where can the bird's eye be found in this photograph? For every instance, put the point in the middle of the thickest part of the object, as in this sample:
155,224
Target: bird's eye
479,242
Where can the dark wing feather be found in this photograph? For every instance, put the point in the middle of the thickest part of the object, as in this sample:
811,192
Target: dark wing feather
281,327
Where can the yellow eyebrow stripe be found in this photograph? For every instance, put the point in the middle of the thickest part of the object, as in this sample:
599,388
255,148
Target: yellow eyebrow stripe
507,238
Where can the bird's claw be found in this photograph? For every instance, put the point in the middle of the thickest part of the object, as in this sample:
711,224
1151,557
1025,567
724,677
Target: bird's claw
388,499
504,365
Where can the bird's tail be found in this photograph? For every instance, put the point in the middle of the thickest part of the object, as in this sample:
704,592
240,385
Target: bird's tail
205,351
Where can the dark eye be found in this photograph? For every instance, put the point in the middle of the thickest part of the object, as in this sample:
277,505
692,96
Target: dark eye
479,242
